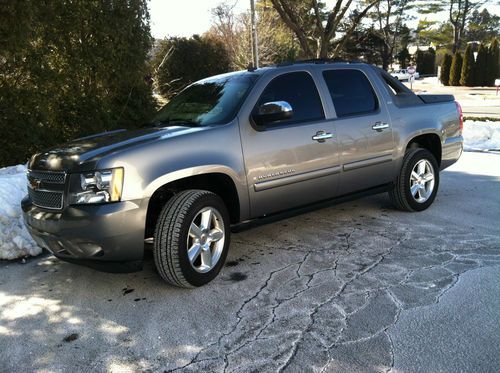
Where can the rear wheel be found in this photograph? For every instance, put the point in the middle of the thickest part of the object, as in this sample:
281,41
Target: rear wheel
417,184
191,238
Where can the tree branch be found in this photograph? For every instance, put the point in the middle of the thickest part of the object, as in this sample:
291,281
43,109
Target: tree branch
339,18
332,16
289,18
351,29
319,23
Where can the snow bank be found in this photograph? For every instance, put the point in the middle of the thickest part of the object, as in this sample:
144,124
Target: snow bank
15,241
481,135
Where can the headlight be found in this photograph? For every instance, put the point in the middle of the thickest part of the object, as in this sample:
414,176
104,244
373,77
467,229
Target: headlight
96,187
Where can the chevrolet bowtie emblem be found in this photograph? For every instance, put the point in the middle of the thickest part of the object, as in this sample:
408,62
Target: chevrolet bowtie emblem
35,183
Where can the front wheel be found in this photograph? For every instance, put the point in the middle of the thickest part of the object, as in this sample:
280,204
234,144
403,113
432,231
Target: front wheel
417,184
191,238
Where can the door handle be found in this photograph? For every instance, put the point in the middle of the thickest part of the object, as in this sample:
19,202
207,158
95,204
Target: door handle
321,136
380,126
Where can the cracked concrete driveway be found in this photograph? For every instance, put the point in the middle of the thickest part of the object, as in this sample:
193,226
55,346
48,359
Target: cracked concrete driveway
353,287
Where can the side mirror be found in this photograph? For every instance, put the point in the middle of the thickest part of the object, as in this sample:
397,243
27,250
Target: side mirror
271,112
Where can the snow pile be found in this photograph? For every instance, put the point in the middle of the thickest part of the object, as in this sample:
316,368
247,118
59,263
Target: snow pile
481,135
15,241
434,80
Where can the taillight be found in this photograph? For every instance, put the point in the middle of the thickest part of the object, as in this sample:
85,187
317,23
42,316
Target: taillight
460,115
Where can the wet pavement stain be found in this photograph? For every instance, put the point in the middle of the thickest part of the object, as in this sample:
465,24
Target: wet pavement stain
127,290
71,337
237,276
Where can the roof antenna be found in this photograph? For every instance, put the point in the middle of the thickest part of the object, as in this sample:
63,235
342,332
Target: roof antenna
251,67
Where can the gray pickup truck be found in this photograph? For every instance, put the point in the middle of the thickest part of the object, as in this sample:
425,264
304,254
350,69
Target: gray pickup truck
234,148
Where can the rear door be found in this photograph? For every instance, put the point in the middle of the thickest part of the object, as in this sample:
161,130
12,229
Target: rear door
363,130
287,164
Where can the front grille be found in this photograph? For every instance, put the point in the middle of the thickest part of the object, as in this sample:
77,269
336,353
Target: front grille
45,198
48,176
46,189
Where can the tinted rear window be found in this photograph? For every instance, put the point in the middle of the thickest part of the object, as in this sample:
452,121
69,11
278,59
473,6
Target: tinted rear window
351,92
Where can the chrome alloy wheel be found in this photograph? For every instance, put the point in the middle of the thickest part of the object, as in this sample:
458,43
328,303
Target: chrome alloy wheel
205,239
422,181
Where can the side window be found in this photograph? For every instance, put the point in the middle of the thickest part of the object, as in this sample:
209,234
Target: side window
299,90
351,92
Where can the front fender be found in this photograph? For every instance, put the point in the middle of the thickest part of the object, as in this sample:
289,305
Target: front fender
240,184
211,150
191,171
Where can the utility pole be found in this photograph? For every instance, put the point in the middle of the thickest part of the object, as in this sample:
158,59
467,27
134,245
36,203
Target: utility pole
255,41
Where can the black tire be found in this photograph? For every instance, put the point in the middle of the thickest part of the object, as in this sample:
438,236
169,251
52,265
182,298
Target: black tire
401,195
171,233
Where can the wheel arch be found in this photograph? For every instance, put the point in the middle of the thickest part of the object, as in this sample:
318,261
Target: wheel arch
430,141
219,183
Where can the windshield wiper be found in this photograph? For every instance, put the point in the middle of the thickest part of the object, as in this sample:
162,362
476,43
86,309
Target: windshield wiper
180,121
173,122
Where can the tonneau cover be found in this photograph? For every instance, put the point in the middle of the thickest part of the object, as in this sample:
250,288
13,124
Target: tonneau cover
434,99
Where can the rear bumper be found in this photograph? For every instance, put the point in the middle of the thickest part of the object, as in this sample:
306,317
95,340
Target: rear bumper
451,151
101,234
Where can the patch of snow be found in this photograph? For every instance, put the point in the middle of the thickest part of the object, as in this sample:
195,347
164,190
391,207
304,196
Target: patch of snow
15,241
479,135
434,80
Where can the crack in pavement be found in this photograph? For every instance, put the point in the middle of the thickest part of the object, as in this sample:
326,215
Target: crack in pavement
336,295
238,321
261,318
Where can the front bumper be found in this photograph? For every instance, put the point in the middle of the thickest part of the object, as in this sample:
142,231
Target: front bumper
101,234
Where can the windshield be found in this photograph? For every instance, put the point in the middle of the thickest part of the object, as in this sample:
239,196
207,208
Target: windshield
207,102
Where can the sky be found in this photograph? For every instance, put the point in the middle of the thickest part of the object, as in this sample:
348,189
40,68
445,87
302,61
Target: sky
188,17
184,17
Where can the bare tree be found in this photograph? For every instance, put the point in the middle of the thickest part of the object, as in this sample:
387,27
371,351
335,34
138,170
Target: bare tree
459,13
317,35
388,16
225,26
234,31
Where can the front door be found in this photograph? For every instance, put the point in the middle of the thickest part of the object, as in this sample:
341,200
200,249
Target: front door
292,162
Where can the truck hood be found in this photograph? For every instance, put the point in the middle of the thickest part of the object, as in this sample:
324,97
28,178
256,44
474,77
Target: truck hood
85,152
